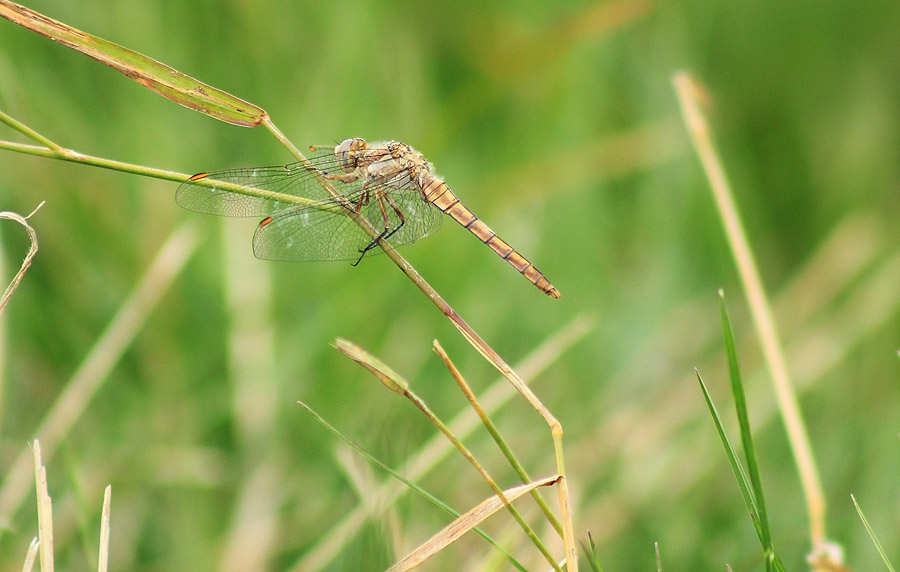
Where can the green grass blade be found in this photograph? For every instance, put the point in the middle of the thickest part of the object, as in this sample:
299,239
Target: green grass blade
591,555
751,485
736,468
162,79
871,533
771,558
740,403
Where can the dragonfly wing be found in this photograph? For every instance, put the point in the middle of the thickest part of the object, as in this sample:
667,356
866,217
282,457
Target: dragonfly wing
219,192
211,193
309,234
325,232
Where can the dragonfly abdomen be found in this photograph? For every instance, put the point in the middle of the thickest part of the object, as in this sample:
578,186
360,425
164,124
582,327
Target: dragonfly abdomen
439,194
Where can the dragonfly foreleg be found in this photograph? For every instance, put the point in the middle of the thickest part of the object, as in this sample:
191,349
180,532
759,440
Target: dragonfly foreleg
343,177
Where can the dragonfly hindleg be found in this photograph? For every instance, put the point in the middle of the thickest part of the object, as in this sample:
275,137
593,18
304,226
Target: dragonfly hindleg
388,232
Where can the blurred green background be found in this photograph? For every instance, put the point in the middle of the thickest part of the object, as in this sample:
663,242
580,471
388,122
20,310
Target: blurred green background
556,123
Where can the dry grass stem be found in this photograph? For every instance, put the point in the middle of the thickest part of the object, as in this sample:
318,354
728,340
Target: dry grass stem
44,541
495,434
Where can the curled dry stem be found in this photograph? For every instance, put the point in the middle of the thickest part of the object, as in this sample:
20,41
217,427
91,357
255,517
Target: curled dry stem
32,251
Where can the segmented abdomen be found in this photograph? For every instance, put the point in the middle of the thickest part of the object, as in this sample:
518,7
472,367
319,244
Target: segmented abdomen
439,194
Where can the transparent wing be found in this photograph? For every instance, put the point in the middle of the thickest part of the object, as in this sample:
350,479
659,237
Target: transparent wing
201,193
310,233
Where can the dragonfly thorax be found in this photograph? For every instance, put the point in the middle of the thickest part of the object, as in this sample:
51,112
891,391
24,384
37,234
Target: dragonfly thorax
411,161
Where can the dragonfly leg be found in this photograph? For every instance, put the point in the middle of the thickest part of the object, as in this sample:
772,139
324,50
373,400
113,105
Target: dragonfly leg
398,212
343,177
388,231
363,200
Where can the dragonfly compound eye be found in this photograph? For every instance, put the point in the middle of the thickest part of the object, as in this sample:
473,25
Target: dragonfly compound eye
347,152
346,155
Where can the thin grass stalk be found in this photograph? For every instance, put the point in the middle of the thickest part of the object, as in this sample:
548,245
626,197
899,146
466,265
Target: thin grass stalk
30,133
690,94
75,157
495,434
871,532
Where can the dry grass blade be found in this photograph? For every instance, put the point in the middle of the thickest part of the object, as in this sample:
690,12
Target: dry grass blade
162,79
456,529
103,559
31,555
32,235
45,510
390,378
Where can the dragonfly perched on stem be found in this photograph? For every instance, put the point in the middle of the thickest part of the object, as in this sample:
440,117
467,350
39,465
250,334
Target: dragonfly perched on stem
389,184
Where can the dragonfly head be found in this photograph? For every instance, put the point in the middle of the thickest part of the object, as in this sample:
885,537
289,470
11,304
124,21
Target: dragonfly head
346,153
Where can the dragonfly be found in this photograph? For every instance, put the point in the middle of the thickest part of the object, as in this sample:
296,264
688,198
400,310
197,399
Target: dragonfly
313,208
